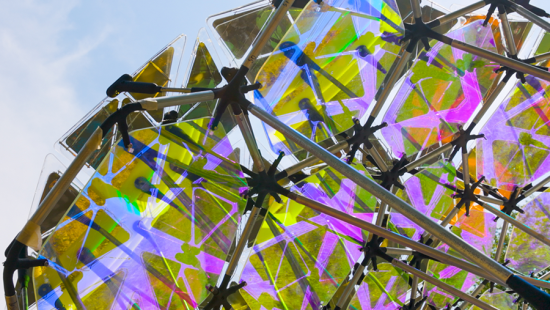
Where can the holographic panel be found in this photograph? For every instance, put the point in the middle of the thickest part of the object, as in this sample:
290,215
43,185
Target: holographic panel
477,230
161,69
301,256
426,195
441,91
151,228
498,299
204,73
238,29
527,254
517,137
382,289
425,192
327,68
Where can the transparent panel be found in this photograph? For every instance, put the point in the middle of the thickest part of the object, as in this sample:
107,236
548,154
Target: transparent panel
327,68
150,229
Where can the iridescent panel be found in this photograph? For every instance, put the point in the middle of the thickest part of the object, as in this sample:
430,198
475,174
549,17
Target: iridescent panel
301,256
327,68
426,193
382,289
161,69
517,139
498,299
151,228
527,254
441,92
477,230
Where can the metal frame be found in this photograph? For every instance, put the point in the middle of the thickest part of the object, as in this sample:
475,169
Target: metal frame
483,266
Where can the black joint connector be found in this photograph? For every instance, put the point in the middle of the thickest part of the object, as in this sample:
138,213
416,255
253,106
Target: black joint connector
119,117
391,177
361,136
232,94
125,83
265,183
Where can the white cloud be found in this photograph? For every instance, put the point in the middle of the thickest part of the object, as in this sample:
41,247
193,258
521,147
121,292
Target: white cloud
38,103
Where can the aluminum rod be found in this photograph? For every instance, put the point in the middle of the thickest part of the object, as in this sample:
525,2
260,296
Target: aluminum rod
530,16
381,213
508,62
378,159
250,141
399,251
152,104
508,36
416,9
517,224
539,283
414,289
378,191
30,235
388,87
446,287
235,257
175,90
465,169
390,72
428,157
387,234
264,37
477,291
351,286
454,211
546,276
503,233
456,14
490,200
535,188
312,159
542,57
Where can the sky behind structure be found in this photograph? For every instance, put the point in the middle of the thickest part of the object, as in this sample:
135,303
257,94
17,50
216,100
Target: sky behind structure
57,59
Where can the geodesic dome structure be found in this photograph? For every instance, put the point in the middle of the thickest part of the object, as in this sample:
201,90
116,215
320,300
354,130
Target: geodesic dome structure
315,155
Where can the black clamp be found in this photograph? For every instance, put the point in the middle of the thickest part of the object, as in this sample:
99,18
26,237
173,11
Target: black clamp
467,196
391,176
361,135
119,118
462,139
126,83
16,259
220,295
265,183
299,4
510,204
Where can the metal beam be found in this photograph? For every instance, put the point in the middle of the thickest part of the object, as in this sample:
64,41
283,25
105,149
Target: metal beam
374,188
446,287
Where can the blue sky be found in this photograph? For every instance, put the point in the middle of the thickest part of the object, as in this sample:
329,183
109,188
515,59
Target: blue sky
57,57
